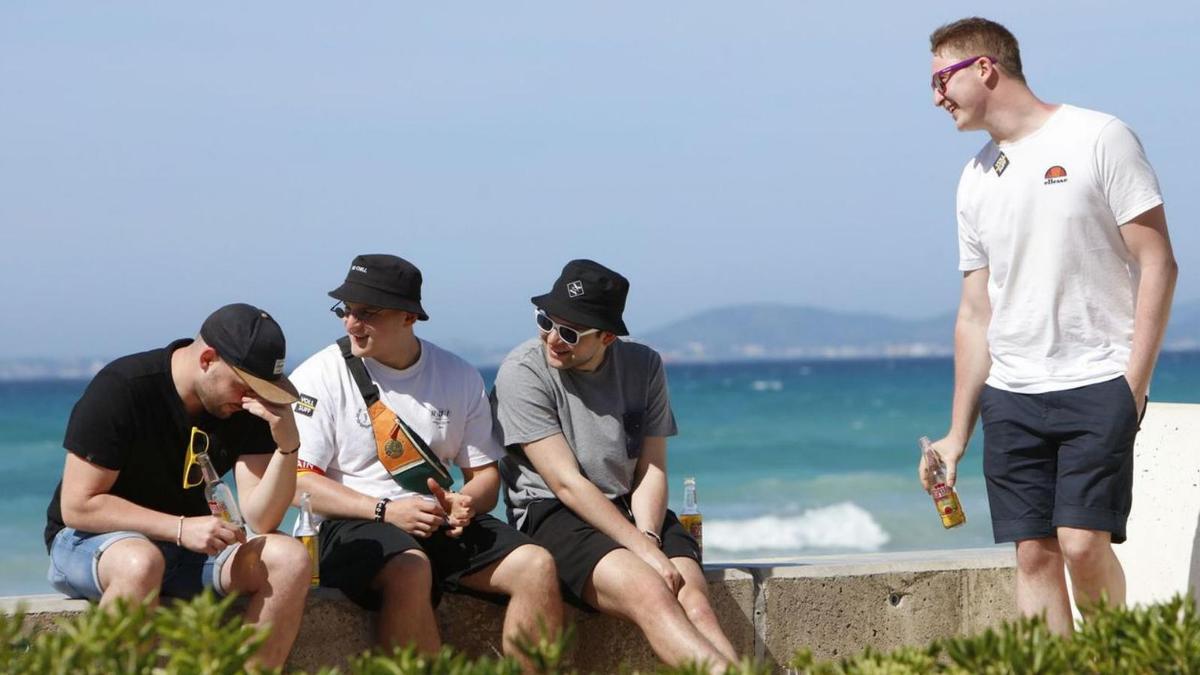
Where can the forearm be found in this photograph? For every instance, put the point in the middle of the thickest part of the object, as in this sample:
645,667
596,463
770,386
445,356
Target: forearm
972,362
649,500
1154,294
484,491
109,513
267,503
334,500
586,500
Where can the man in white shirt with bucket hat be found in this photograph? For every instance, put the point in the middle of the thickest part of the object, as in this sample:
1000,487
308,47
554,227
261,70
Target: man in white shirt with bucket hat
382,414
585,417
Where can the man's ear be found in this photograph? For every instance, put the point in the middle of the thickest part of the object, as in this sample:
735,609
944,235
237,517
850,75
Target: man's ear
208,356
410,318
607,338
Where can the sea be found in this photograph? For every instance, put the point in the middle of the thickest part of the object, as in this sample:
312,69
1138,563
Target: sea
790,458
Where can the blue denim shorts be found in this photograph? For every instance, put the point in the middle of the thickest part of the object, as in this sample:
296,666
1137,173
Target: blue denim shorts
75,565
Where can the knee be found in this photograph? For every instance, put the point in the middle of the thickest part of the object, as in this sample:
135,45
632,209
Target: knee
1036,556
140,566
538,572
285,557
1084,550
406,576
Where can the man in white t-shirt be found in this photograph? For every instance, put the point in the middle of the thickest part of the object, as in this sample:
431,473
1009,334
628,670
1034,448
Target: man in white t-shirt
382,414
1068,275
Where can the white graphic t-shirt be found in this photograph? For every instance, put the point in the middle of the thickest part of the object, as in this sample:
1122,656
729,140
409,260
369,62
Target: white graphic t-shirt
1044,214
441,397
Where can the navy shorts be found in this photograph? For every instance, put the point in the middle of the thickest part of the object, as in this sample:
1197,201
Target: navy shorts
1059,459
578,547
352,552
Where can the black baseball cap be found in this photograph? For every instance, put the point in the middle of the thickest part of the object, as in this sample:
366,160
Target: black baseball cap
382,280
252,343
588,294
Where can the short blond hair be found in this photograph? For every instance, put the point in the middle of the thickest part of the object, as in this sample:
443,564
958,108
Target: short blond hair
976,36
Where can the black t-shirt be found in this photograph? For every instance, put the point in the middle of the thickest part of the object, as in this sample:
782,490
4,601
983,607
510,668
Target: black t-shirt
131,419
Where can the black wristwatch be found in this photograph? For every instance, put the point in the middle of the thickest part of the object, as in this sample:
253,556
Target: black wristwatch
381,509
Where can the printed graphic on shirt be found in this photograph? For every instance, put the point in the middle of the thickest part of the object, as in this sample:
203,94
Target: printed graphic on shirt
304,467
306,405
1000,164
1056,174
440,418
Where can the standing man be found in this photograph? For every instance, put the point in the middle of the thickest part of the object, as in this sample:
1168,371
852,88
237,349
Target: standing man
585,417
382,413
130,518
1067,282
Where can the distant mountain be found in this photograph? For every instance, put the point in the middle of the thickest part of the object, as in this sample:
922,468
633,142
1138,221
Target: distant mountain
776,331
758,331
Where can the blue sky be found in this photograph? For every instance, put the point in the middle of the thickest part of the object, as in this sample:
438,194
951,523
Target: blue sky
158,160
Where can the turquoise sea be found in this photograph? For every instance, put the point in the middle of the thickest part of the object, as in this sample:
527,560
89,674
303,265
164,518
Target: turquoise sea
790,458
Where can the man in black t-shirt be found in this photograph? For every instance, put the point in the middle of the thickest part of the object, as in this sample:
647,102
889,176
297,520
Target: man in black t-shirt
130,517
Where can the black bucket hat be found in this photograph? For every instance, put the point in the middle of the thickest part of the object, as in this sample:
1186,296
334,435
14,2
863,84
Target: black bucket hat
385,281
252,343
588,294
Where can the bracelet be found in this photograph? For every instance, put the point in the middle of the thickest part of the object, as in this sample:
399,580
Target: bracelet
285,454
179,533
657,539
381,509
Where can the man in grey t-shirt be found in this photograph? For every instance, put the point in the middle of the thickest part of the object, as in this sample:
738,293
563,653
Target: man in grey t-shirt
585,418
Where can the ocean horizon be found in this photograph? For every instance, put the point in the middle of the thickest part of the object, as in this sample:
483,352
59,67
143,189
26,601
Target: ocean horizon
791,458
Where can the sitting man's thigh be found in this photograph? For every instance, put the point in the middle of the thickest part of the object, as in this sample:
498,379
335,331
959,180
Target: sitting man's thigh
83,564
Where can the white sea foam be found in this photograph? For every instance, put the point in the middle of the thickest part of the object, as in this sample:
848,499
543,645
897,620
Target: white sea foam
839,526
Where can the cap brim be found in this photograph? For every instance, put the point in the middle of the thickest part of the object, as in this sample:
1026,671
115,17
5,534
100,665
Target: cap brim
571,313
279,392
365,295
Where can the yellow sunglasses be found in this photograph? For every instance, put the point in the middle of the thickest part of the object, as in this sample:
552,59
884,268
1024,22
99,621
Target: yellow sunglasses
192,475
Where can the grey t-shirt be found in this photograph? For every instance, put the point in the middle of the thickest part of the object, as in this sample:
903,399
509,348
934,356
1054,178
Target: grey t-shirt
604,415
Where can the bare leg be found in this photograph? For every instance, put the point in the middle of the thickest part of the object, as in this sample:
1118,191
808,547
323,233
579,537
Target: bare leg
131,569
274,571
1095,571
528,576
694,598
406,584
624,586
1042,583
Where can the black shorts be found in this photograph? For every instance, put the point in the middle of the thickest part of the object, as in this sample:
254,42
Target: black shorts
1061,458
353,551
577,547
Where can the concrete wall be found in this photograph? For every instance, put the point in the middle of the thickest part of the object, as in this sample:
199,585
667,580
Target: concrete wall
833,605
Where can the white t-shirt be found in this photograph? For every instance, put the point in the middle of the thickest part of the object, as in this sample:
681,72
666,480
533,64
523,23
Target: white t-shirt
440,396
1045,219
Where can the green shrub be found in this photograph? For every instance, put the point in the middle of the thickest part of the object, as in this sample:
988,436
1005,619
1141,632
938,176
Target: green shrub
200,636
1162,638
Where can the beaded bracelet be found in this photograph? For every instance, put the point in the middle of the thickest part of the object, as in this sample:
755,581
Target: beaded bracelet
285,454
381,509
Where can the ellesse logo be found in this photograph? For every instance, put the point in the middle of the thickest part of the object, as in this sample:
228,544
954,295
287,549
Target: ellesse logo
1056,174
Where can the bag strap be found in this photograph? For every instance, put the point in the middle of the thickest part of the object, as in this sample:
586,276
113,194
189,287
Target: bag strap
358,371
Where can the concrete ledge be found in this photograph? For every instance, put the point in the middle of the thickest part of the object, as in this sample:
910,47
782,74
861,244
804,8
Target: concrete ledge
834,605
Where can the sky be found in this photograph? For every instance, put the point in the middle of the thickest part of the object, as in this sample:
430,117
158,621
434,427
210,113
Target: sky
158,160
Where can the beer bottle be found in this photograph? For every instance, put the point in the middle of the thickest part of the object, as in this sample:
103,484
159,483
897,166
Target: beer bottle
945,498
690,517
221,501
307,533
